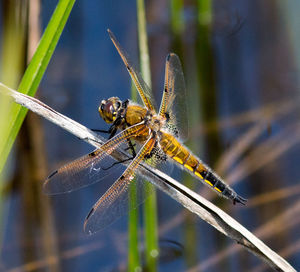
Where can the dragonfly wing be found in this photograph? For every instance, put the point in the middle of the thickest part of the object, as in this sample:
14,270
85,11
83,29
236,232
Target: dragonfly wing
114,203
84,171
142,87
90,168
174,101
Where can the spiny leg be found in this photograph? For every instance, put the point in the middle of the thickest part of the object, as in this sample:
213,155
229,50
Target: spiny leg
130,147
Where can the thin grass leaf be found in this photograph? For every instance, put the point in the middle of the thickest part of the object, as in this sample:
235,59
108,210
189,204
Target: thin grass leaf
34,74
133,255
177,20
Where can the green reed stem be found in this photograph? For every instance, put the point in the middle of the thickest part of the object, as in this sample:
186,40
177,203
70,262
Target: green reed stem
207,77
134,263
150,214
177,20
178,26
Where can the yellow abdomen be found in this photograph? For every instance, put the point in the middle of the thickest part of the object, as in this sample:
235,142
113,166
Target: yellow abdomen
179,153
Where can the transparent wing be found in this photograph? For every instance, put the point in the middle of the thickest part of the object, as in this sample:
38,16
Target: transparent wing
143,89
174,101
90,168
114,203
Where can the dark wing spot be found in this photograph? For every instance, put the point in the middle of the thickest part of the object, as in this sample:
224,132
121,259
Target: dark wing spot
89,214
51,175
92,154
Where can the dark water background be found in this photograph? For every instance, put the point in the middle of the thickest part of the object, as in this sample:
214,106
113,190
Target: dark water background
248,79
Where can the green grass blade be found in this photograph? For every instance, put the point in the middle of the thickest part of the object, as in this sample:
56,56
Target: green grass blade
34,74
143,42
134,263
12,68
204,12
150,231
189,229
150,215
177,20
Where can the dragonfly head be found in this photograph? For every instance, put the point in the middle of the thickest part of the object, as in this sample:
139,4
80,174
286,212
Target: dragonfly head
108,109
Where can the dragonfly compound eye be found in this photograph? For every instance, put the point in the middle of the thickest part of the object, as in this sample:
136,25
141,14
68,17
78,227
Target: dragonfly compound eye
107,111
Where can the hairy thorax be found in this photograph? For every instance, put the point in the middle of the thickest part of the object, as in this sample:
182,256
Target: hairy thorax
136,114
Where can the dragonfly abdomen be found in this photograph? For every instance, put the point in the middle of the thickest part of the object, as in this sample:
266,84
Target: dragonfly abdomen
179,153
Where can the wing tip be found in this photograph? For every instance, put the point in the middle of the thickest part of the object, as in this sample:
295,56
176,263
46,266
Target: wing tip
86,226
45,185
111,34
171,55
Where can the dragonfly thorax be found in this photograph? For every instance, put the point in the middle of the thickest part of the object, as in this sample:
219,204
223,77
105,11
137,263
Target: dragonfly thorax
154,121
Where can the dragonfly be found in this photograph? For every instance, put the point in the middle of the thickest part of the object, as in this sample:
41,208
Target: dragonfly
156,131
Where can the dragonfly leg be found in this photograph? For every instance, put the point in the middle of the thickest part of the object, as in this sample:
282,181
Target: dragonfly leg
112,130
100,130
116,163
131,147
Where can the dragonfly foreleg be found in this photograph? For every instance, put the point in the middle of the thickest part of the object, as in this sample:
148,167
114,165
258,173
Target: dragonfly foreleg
112,130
